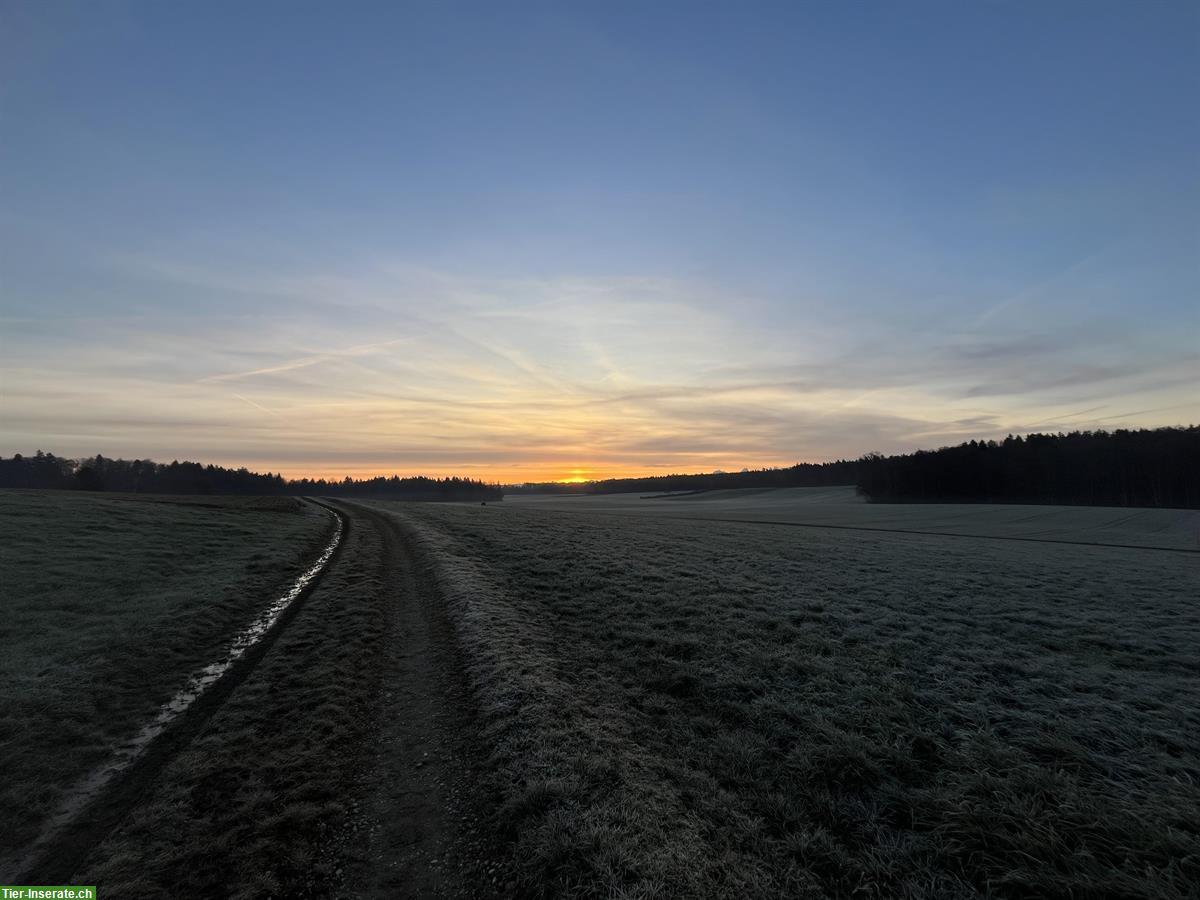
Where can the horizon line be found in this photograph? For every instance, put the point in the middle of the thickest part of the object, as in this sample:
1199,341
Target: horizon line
578,472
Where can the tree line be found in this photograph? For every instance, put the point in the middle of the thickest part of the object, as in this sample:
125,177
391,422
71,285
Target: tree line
799,475
1143,467
98,473
417,487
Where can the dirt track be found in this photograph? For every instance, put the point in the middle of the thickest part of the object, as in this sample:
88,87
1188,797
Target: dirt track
421,837
353,711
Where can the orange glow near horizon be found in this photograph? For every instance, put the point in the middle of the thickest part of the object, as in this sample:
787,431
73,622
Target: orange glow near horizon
531,294
578,476
529,383
543,473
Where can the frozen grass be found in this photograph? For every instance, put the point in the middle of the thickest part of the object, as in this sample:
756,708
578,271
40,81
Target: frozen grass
260,803
841,507
691,708
107,604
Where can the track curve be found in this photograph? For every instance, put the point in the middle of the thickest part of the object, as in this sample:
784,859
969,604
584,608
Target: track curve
99,803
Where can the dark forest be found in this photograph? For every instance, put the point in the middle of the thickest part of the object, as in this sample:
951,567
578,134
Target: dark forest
98,473
799,475
1147,467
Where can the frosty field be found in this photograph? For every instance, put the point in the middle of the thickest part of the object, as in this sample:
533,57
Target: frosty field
686,707
726,695
107,603
841,507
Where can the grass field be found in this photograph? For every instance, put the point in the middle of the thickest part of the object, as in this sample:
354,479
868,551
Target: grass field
840,507
258,805
742,694
107,604
681,707
334,769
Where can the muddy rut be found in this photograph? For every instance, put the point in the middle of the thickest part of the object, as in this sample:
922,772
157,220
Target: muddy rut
404,779
106,796
421,820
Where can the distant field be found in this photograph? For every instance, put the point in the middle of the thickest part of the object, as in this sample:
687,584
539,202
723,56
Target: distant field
840,506
686,707
107,603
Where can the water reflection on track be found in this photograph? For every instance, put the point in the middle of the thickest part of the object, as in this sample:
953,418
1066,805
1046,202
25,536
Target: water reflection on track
81,795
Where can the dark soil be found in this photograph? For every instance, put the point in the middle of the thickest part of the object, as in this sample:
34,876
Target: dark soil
424,830
337,763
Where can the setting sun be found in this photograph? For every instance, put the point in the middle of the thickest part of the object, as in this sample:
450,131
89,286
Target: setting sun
591,449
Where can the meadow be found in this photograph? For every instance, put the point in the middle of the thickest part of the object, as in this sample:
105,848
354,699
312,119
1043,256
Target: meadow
107,604
258,804
842,507
678,705
332,759
788,693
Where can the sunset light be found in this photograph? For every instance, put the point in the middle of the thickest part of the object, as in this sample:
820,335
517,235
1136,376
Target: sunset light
576,477
724,450
527,306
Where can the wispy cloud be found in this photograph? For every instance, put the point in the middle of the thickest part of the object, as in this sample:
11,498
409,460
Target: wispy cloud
1042,287
526,378
258,406
304,362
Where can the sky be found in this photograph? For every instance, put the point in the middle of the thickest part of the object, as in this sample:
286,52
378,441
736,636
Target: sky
529,242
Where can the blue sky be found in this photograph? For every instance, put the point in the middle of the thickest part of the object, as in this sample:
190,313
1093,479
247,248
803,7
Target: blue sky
544,240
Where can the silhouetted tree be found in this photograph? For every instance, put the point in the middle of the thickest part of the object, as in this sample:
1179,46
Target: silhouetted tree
98,473
799,475
1146,467
1121,468
88,478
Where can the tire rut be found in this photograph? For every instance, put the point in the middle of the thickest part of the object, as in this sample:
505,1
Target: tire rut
56,858
421,819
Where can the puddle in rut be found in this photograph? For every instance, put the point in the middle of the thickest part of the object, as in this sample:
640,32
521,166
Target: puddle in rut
85,791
